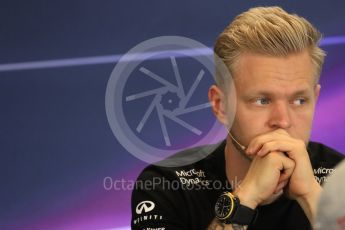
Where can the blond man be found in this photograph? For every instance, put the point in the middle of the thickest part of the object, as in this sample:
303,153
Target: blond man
275,63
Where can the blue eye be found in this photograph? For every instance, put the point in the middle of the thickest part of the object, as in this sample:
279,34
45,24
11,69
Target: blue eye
299,101
262,101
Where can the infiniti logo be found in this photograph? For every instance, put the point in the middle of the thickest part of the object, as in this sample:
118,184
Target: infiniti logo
145,206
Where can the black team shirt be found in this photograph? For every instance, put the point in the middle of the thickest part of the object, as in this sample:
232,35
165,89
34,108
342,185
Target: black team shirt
166,198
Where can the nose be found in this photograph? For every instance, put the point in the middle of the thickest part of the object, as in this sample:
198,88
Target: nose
280,116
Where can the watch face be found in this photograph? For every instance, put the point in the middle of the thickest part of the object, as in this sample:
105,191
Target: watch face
224,206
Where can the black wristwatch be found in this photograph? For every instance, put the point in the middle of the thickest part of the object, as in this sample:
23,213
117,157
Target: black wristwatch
228,209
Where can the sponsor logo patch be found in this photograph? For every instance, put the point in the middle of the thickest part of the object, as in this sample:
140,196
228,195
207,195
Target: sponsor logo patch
145,206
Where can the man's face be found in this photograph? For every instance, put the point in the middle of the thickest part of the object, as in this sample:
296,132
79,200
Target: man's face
273,93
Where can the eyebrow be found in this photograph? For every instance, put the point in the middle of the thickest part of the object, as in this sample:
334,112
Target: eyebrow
269,93
301,92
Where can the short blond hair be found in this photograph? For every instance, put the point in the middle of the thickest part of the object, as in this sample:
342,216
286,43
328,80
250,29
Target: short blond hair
268,31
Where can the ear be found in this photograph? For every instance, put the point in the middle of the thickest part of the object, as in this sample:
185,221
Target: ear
317,91
217,99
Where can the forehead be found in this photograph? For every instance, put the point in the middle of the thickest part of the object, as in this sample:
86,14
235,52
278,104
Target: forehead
275,73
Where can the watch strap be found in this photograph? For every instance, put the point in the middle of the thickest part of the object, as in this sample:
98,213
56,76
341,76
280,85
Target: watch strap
244,215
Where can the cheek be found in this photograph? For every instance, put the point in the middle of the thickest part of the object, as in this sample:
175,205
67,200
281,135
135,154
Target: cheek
303,118
250,122
302,124
252,117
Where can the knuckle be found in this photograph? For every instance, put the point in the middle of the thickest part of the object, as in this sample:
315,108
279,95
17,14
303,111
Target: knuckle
272,144
291,162
267,144
272,158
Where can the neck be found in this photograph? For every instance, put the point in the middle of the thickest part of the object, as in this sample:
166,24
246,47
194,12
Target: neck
236,163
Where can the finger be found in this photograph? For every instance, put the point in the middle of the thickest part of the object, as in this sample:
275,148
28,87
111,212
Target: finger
258,141
276,146
280,186
285,175
276,192
294,155
288,167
